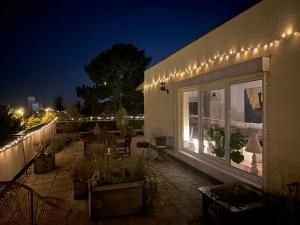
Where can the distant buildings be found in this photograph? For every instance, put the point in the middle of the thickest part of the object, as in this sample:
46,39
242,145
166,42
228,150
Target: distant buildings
33,105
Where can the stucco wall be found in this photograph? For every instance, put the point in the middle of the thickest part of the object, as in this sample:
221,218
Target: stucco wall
263,23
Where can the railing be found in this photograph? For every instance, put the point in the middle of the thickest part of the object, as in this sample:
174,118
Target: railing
87,125
17,154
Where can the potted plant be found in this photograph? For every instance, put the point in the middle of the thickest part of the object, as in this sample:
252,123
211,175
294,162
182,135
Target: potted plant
237,141
80,174
45,161
217,133
118,182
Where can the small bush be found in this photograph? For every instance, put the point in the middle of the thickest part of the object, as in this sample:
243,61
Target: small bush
57,143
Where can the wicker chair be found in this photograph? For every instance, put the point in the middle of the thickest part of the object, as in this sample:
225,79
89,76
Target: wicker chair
20,204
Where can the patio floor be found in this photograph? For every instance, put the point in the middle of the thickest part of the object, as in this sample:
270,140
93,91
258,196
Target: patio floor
178,203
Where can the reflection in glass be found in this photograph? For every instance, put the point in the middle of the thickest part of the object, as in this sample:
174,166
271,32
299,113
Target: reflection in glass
246,126
213,122
190,120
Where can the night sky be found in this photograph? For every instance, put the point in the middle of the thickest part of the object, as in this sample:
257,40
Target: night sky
45,44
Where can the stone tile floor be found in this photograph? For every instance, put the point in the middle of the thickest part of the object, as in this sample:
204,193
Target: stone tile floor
179,202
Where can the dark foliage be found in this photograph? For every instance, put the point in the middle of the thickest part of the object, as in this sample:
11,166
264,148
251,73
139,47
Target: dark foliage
9,125
116,73
59,103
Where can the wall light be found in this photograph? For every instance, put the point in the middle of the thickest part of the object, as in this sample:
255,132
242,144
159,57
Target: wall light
163,87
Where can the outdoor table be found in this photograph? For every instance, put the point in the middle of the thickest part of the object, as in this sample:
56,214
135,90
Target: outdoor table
161,151
231,200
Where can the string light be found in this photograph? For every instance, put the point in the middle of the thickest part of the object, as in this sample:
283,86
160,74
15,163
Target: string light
16,141
230,53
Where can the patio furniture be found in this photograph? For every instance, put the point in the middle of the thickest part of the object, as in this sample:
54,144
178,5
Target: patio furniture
161,151
122,145
231,200
20,204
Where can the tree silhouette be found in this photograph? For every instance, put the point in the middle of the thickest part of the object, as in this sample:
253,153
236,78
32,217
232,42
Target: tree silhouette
9,124
116,73
58,103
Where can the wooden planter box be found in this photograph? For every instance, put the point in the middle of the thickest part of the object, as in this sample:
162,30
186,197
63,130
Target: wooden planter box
44,164
116,200
80,190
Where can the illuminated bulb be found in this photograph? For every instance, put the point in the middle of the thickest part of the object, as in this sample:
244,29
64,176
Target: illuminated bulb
265,46
271,44
242,49
231,52
295,33
255,50
283,35
227,56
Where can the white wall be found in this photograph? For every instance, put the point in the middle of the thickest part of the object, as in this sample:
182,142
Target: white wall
263,23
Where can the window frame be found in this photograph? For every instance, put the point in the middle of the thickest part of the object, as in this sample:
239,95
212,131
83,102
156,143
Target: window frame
215,162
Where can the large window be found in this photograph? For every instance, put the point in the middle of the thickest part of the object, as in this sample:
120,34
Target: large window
246,126
230,125
213,123
190,120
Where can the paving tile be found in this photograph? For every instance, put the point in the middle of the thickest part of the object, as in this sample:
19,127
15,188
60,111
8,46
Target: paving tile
178,202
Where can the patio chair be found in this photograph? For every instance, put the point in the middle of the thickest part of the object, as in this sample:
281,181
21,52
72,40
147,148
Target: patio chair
20,204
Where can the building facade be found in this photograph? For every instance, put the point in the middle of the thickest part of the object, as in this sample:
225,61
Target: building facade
233,101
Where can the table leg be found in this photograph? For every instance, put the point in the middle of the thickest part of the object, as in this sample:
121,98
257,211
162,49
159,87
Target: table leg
205,204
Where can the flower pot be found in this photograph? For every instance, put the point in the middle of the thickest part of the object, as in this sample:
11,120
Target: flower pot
80,190
45,163
116,200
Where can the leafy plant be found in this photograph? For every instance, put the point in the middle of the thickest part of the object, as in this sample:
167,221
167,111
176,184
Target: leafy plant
57,143
237,141
114,170
81,172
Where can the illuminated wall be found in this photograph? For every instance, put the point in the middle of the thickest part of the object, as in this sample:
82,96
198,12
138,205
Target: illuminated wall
270,28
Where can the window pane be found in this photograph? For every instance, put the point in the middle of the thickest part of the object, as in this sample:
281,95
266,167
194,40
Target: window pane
246,126
190,120
213,123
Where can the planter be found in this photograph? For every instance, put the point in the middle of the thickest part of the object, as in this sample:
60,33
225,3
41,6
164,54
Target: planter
80,190
45,163
161,141
236,157
116,200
